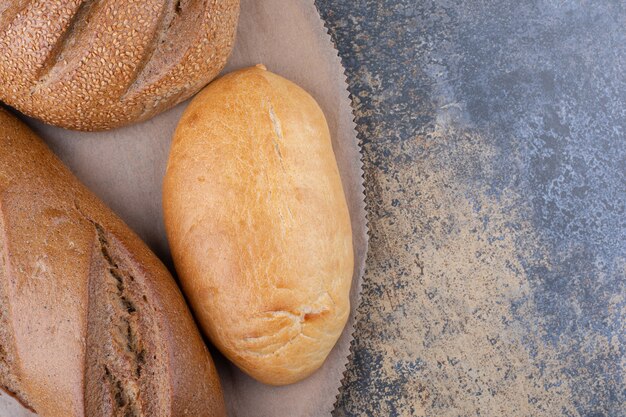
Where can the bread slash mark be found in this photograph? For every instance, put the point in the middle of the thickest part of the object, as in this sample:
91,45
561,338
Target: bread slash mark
52,68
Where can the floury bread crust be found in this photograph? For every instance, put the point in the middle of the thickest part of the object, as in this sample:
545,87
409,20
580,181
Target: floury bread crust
101,64
259,226
91,323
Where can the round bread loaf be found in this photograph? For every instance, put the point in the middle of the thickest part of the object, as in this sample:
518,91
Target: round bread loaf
259,226
101,64
91,323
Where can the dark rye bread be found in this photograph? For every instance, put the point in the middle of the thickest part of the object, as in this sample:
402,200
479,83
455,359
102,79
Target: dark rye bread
91,323
100,64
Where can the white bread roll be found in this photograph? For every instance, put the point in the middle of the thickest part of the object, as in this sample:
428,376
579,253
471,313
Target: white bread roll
259,226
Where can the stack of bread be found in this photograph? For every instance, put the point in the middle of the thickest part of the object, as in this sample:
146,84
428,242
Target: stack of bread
91,322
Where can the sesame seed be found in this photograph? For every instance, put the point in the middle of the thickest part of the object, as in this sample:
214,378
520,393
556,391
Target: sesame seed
101,64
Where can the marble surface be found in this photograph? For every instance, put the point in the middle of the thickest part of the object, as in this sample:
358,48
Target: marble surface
495,159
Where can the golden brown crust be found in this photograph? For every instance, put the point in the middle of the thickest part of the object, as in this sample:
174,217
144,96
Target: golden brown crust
258,224
97,325
100,64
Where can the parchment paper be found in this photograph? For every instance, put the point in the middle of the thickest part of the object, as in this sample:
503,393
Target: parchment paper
125,168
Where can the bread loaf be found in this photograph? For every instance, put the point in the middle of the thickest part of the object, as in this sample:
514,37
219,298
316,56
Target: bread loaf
91,323
258,224
100,64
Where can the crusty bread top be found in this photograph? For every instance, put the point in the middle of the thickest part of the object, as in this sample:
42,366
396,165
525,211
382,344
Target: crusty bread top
100,64
258,224
91,323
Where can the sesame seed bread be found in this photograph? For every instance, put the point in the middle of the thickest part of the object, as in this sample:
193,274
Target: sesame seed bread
91,323
101,64
258,224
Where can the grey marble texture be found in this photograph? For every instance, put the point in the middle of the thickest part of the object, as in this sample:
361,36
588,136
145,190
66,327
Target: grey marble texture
495,157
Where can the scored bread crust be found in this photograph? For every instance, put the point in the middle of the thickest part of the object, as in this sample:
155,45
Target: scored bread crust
259,226
91,322
101,64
